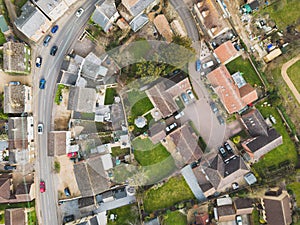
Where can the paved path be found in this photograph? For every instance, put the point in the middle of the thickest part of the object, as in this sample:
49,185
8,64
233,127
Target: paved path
287,79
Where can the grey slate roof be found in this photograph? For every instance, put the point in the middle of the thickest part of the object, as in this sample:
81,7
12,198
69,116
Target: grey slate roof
255,123
137,7
68,78
14,99
138,22
82,99
17,133
91,67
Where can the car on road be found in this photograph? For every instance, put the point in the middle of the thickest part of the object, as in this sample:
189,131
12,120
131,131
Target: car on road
40,128
42,186
54,29
171,127
68,218
221,120
53,50
67,191
79,12
179,115
190,94
9,167
214,107
198,65
208,64
14,83
185,98
228,147
38,61
239,220
42,83
47,40
222,152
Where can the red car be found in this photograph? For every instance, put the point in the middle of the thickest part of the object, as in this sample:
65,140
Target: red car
42,187
72,154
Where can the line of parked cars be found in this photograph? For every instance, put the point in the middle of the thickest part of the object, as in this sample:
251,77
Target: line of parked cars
228,148
186,97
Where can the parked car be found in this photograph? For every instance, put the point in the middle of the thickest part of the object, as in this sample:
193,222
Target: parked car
235,186
9,167
53,50
42,186
179,115
14,83
68,218
228,147
208,64
198,65
42,83
38,61
213,107
72,154
67,192
47,40
79,12
221,120
40,128
185,98
190,93
239,220
171,127
54,29
222,152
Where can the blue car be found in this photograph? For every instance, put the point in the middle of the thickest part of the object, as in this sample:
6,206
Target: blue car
54,29
198,65
185,98
42,83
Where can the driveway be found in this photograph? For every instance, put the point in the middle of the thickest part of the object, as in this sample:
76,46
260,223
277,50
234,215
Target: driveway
6,78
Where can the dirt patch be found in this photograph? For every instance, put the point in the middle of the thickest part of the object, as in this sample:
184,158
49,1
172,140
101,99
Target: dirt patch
61,113
6,78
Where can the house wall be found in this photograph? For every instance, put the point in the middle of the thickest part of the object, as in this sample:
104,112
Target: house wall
227,218
244,211
267,148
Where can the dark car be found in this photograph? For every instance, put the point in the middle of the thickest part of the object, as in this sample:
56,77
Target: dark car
222,152
213,107
69,218
9,167
221,120
53,50
47,40
198,65
228,147
54,29
42,83
67,192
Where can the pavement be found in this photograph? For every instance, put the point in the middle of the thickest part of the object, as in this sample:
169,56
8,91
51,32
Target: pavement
288,80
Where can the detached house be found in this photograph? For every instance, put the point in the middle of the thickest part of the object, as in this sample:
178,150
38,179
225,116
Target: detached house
91,67
82,99
163,27
264,139
226,52
137,7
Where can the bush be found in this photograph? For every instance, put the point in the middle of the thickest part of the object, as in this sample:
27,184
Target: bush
57,166
236,139
58,93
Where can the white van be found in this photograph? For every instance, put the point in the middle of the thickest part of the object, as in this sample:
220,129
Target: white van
208,64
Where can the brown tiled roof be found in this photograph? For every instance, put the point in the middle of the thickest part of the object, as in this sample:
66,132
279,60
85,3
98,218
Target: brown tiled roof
163,27
243,203
248,94
226,51
225,210
57,143
17,133
226,89
4,189
157,132
15,216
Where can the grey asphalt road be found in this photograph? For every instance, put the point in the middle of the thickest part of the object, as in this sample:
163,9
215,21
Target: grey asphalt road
70,28
187,18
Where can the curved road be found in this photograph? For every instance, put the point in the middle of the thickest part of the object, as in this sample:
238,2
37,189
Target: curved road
70,28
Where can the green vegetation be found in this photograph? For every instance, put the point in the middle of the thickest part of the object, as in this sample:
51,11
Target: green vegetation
173,191
179,103
295,187
56,167
58,94
118,151
32,220
230,118
2,217
247,70
87,116
17,205
2,38
287,119
139,103
284,12
110,96
3,116
293,73
202,143
176,217
140,48
284,152
126,215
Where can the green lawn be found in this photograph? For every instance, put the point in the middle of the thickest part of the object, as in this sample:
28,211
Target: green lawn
295,187
125,215
286,151
245,67
110,96
284,12
118,151
17,205
172,192
176,217
294,74
32,220
139,103
179,103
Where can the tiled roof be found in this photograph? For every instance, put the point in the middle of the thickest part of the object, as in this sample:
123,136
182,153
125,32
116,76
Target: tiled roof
248,94
226,51
163,27
135,7
15,216
57,143
243,203
14,59
82,99
225,210
157,132
255,123
17,133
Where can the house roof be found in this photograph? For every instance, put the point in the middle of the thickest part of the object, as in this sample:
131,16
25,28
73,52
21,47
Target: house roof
5,188
243,203
68,78
277,209
91,67
14,98
3,24
186,142
163,27
15,216
138,22
226,89
135,7
254,4
157,132
17,133
248,93
14,59
57,143
225,210
255,123
82,99
226,52
91,176
256,143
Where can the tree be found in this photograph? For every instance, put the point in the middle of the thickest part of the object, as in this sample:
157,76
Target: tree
150,69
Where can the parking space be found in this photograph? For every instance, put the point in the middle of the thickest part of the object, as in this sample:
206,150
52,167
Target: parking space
220,39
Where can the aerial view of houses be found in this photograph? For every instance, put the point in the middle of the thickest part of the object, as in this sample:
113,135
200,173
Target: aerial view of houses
149,112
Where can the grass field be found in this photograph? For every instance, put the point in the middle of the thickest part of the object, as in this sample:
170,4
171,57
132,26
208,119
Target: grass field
139,102
284,12
172,192
176,217
245,67
126,215
295,187
294,74
110,94
286,151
